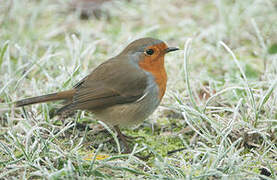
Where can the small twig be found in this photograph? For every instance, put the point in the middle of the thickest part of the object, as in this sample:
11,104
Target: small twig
174,151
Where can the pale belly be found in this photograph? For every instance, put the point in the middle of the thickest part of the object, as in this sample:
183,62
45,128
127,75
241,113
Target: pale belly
131,113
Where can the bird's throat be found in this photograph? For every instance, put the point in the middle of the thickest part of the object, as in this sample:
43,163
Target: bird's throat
156,68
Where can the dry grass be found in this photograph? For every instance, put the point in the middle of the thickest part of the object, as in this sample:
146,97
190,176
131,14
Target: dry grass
219,110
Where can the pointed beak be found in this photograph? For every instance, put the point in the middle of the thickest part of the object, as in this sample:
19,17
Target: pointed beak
169,49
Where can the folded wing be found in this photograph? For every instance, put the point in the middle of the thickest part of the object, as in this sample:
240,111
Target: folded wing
113,82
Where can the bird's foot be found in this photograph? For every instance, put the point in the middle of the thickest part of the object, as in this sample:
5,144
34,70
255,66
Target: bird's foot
131,138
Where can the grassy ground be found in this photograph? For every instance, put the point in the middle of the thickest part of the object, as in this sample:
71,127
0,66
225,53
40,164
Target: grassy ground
219,110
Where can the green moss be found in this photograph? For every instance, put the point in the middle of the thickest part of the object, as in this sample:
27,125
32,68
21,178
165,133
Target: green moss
272,49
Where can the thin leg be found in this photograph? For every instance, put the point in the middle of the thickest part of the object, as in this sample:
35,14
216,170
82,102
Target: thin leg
123,139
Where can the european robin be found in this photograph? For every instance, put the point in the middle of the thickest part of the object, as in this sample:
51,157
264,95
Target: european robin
123,90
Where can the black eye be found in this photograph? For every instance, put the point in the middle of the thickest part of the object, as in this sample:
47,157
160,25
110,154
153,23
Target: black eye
149,51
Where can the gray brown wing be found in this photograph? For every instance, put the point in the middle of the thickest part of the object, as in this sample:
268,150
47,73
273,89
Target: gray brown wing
109,84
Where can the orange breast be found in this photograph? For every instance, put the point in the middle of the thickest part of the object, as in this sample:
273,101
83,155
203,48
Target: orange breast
156,68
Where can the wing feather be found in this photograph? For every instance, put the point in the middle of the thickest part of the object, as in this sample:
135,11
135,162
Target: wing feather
109,84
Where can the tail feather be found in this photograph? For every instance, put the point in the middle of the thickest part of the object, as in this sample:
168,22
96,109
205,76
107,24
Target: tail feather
64,95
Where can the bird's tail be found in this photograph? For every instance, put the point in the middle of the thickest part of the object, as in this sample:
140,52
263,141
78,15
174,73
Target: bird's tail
64,95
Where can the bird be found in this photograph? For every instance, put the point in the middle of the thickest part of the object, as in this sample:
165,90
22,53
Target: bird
122,91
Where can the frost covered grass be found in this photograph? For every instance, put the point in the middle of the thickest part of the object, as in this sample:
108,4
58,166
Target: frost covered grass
218,118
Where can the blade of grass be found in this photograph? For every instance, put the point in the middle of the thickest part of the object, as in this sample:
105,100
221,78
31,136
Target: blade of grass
3,51
185,68
249,90
113,135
